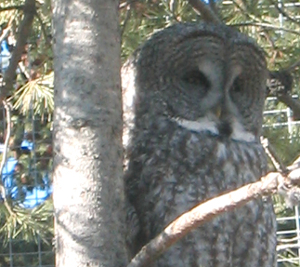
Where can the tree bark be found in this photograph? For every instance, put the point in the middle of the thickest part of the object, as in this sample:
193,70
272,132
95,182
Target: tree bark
88,186
293,104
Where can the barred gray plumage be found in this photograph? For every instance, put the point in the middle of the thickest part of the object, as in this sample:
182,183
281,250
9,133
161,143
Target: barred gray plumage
193,98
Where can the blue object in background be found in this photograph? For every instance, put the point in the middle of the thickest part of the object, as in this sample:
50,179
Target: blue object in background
30,198
26,145
4,56
36,197
7,175
38,194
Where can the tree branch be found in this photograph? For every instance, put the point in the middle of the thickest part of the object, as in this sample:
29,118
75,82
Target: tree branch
293,104
6,143
265,25
24,30
8,8
270,151
43,28
241,7
7,136
293,66
207,14
127,18
7,29
285,14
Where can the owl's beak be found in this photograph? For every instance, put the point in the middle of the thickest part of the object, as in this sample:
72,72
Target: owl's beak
217,111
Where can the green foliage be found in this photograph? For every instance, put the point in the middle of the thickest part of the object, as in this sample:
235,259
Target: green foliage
141,18
27,224
36,94
32,121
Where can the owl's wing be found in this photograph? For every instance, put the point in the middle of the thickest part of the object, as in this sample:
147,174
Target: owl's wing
133,231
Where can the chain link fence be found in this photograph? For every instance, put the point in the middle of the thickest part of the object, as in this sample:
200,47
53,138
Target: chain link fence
286,130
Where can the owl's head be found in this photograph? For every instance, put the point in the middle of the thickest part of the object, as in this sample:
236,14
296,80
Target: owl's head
204,77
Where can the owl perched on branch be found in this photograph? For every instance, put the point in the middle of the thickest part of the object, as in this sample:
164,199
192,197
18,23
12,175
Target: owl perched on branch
193,98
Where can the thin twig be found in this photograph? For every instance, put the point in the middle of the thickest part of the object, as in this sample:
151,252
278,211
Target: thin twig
127,18
294,65
285,14
125,4
24,30
205,11
291,103
265,25
6,31
4,155
295,165
23,70
8,8
270,151
7,136
172,8
243,11
43,28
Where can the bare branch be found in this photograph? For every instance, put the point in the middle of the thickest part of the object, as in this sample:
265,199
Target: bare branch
243,10
206,211
8,8
285,14
265,25
127,18
4,157
295,165
7,29
125,4
43,28
270,151
294,65
291,103
24,29
7,136
207,14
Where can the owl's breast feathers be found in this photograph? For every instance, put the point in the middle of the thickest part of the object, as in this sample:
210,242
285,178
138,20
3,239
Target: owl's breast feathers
174,167
174,151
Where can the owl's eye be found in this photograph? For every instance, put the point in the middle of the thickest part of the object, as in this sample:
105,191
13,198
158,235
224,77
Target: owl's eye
197,78
237,87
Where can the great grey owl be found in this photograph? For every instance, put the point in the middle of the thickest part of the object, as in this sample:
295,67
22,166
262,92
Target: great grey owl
193,98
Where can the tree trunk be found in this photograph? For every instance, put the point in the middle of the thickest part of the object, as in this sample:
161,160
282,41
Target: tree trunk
88,186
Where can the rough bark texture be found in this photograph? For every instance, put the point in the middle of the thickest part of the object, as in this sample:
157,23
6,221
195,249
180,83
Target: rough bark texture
88,187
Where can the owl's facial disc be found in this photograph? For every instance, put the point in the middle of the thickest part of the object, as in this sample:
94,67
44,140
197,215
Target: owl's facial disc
222,120
213,95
